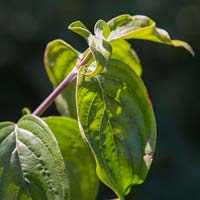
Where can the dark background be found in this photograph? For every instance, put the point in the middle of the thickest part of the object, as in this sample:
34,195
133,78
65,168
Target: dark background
171,76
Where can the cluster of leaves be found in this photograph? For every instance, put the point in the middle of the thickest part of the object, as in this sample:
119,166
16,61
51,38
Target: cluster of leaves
46,158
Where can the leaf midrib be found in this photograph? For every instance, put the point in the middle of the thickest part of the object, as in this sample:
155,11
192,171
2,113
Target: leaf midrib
110,125
109,76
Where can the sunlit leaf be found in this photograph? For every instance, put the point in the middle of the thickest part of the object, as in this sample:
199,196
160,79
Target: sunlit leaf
31,163
78,158
101,51
141,27
100,48
179,43
60,59
79,28
101,29
116,119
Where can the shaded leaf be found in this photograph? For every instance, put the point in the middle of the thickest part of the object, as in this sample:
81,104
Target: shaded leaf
31,163
141,27
60,59
116,119
78,158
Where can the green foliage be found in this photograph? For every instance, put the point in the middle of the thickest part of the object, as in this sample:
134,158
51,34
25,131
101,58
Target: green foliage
141,27
100,48
121,50
31,163
118,122
101,29
78,158
60,58
114,112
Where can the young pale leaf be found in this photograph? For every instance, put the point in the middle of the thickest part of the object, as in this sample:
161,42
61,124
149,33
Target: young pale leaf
78,158
31,164
101,51
116,119
60,59
101,29
99,47
121,50
141,27
79,28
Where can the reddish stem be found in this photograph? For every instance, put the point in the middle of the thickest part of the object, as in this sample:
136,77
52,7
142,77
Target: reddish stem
71,76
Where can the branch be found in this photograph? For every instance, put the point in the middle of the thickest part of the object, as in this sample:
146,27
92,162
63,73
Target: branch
71,76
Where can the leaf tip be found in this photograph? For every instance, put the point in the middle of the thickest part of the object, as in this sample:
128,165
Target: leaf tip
185,45
79,28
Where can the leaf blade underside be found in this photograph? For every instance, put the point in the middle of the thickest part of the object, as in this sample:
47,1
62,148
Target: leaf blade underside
141,27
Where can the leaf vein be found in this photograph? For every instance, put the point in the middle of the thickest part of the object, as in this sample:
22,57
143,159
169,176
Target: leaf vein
109,122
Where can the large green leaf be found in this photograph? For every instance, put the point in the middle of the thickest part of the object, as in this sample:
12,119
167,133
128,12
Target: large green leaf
117,121
141,27
60,59
78,158
31,164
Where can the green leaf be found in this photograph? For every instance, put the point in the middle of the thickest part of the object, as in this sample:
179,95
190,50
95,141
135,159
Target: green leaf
60,59
122,51
101,29
141,27
78,158
179,43
117,121
31,163
79,28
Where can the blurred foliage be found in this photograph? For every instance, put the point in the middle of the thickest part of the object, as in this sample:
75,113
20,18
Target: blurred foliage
171,76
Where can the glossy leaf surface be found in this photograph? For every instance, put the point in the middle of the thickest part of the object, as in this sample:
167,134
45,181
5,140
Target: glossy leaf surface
78,158
117,120
31,164
60,59
141,27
